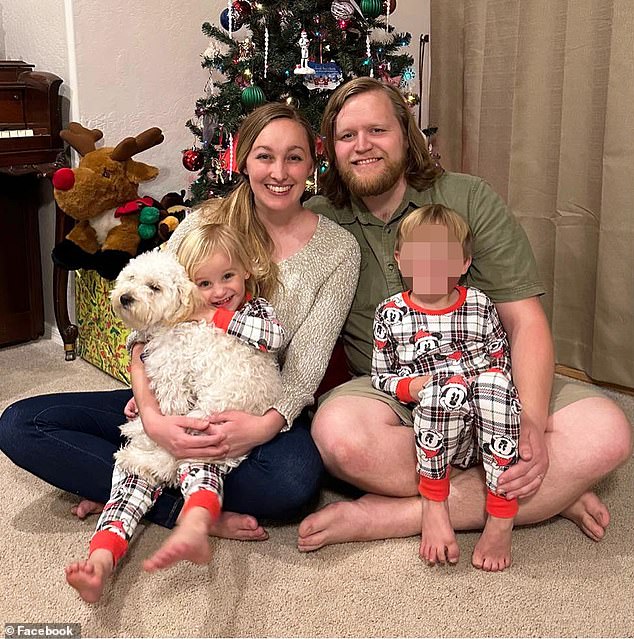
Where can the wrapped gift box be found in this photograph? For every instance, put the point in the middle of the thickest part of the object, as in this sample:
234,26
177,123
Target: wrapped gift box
102,335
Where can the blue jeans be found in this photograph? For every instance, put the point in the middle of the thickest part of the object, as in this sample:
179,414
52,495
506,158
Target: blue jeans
69,439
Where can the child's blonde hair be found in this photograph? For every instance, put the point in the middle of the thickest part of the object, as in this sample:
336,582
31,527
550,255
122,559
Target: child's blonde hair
436,214
205,240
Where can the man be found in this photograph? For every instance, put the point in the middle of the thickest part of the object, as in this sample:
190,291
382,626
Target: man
379,171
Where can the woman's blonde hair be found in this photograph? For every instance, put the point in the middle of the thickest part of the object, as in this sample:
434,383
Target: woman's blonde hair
436,214
420,172
238,209
205,240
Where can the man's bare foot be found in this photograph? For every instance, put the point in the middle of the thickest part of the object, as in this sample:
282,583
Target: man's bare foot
236,526
438,541
493,550
590,514
86,507
188,542
89,577
369,518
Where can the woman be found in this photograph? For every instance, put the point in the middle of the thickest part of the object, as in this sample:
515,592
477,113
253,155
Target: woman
69,439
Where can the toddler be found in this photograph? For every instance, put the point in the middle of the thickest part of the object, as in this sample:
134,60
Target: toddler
441,348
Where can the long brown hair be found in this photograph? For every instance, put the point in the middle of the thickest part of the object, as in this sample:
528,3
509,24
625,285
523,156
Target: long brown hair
238,209
421,171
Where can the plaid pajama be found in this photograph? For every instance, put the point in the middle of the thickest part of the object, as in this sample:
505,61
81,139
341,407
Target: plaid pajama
132,496
469,410
463,423
255,323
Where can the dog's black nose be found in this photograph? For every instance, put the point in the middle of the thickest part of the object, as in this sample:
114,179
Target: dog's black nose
126,300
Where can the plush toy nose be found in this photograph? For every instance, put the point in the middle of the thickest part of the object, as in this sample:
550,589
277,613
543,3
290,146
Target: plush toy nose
63,179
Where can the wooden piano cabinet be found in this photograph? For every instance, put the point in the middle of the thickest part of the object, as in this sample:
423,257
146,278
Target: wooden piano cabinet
21,299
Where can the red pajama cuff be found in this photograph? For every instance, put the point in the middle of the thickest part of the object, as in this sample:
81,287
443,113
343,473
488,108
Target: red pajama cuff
108,540
205,499
501,507
434,489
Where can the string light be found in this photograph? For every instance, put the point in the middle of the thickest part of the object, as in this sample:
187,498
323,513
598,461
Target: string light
266,50
230,156
368,53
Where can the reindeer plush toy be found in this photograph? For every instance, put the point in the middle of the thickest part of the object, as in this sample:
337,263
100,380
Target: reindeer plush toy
101,194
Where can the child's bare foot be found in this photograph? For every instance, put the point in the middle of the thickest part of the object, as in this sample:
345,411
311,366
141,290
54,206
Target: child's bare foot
188,542
438,541
590,514
493,550
86,507
89,577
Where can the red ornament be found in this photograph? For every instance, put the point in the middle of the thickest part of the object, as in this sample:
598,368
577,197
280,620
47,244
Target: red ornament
343,24
193,160
243,9
227,154
392,6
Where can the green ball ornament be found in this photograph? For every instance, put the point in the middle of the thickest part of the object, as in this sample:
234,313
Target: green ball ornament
149,215
252,97
371,8
147,231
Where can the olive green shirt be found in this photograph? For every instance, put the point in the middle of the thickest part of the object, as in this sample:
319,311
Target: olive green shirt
503,264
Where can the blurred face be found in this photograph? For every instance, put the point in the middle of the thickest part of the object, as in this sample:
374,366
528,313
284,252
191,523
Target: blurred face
370,146
277,166
221,282
431,261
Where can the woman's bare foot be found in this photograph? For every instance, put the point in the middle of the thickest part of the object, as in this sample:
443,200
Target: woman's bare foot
236,526
438,540
89,577
493,550
590,514
87,507
188,542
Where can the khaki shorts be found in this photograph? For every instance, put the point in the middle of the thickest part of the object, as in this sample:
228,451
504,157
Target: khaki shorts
565,391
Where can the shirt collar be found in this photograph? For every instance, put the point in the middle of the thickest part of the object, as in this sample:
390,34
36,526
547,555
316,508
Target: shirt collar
411,198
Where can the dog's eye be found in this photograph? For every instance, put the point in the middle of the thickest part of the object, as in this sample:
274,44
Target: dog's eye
154,288
105,173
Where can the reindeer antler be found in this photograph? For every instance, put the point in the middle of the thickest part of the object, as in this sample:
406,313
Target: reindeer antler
131,146
80,138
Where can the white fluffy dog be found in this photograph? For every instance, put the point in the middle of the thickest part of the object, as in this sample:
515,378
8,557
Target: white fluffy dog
194,368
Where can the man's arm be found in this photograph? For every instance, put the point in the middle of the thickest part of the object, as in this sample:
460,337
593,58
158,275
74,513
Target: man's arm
533,362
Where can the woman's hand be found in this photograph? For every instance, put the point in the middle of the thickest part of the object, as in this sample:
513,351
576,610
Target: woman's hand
130,410
242,431
525,477
186,436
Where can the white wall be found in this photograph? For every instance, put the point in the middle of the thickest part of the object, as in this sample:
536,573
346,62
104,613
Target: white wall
129,65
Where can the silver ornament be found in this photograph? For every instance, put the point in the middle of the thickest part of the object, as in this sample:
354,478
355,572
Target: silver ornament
342,10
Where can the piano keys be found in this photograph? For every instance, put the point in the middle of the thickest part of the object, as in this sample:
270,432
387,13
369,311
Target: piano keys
30,116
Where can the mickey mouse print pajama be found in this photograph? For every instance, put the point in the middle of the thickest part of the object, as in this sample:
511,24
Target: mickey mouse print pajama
469,410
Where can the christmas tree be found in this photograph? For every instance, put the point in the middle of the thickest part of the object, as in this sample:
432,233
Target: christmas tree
295,51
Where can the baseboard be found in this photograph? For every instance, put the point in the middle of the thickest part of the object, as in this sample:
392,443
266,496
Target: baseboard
51,332
584,377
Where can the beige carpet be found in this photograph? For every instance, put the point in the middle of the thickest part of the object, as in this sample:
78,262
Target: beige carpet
561,584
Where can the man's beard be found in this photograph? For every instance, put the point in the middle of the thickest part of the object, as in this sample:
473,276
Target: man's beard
376,184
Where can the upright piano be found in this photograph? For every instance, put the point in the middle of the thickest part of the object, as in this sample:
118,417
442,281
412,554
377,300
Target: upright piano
30,149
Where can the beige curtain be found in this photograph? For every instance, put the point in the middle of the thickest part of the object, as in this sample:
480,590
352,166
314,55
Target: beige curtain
537,97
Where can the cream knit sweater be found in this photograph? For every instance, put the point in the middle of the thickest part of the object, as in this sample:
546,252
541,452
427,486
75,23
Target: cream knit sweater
318,284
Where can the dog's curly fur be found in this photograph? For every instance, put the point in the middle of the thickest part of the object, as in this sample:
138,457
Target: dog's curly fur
194,368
